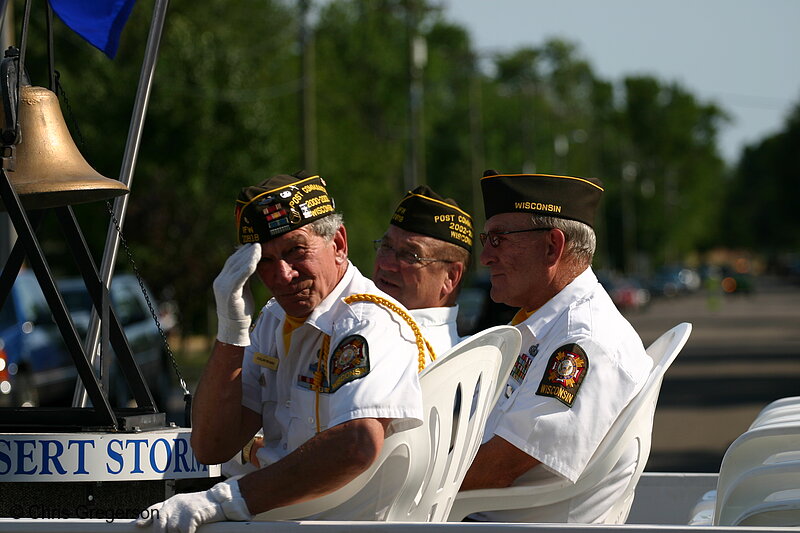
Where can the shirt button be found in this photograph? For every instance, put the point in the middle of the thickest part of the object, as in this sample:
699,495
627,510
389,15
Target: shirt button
288,403
310,419
284,446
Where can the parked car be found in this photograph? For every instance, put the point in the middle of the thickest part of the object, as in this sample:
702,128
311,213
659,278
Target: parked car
35,367
627,293
673,280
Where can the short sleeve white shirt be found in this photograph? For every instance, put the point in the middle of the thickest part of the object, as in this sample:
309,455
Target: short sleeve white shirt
278,384
438,326
561,437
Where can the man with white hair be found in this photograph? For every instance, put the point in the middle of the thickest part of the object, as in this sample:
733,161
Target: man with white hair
325,370
581,361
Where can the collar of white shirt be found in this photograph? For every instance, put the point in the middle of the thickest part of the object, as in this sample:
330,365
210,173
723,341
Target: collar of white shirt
435,316
542,320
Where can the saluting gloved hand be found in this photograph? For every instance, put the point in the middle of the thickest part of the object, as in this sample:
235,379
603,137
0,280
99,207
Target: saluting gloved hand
183,513
233,296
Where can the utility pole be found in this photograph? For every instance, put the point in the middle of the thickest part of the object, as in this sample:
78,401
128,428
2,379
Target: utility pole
477,148
418,58
629,174
308,108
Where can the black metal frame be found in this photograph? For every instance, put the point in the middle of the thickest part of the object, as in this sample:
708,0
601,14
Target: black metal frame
101,415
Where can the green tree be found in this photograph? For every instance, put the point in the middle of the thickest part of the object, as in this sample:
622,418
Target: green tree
225,112
672,139
763,191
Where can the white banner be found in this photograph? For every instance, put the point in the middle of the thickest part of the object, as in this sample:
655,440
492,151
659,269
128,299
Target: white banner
159,454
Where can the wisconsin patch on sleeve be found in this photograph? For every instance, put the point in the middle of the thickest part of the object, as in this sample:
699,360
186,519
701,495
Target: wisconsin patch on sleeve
564,374
350,361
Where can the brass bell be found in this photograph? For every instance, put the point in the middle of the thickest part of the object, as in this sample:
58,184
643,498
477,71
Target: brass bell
49,170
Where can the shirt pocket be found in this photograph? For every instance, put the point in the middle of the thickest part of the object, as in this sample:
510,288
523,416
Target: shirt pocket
303,412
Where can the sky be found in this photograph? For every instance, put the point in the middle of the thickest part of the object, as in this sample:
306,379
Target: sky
740,54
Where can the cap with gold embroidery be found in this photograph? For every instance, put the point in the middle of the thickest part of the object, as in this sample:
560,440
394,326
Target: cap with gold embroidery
425,212
280,204
541,194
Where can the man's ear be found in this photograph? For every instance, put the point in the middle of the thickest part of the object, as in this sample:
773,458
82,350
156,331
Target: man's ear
340,245
455,272
556,243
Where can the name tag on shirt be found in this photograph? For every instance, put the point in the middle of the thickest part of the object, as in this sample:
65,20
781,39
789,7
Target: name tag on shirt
267,361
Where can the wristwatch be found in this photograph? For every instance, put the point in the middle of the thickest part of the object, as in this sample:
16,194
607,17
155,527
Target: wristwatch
246,450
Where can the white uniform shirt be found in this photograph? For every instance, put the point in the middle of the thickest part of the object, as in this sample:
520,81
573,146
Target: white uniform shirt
438,325
277,384
564,438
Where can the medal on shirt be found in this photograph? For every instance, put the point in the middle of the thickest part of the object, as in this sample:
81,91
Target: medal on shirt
517,375
307,380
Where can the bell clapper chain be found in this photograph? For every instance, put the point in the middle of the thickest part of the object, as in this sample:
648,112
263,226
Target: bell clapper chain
187,396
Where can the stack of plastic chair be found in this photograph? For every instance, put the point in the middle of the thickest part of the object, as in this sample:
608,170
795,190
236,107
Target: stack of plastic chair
418,471
635,424
759,479
753,462
781,410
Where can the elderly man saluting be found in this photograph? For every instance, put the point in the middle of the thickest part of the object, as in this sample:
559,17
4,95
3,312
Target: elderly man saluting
581,361
329,364
422,259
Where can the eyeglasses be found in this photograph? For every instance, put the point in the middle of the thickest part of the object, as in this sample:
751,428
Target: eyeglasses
404,256
494,237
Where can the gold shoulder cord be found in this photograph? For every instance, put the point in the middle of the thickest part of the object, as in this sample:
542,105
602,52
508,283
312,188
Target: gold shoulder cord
422,343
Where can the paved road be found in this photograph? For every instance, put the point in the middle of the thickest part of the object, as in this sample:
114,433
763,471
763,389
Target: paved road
741,355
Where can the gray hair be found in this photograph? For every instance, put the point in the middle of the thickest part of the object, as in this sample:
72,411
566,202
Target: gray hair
580,238
326,227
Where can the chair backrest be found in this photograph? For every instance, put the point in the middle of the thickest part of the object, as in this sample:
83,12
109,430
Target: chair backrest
780,403
634,424
413,476
637,419
778,413
768,494
459,391
775,445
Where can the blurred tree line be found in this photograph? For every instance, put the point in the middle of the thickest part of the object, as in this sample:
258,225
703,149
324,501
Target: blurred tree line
227,110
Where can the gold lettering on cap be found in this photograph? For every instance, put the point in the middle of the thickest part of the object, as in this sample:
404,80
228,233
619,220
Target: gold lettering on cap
321,210
313,187
537,206
295,199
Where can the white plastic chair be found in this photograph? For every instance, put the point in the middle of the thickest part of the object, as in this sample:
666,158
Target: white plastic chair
783,410
418,472
766,495
635,423
460,390
778,412
760,451
779,403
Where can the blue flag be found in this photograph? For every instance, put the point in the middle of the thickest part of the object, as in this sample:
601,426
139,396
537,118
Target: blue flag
100,22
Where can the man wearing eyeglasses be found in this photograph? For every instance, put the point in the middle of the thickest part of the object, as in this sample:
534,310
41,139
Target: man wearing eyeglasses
328,368
421,260
581,361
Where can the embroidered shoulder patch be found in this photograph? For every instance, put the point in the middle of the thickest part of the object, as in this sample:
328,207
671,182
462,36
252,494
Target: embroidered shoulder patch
564,374
350,361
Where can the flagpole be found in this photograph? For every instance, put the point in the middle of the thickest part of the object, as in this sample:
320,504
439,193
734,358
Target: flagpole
111,248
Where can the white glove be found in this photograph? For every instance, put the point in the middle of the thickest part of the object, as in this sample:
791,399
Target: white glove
233,296
184,513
